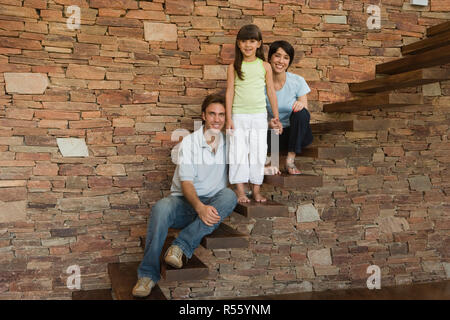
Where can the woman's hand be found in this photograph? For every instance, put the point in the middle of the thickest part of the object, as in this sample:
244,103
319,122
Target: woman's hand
276,124
299,105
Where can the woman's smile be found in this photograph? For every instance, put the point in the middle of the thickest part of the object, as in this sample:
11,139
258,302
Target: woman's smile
280,61
280,67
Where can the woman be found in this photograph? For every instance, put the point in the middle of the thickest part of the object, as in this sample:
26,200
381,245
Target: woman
291,90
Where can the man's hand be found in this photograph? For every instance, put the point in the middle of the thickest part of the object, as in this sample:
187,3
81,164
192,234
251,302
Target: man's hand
208,214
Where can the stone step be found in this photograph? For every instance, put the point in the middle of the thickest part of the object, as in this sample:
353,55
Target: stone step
123,278
193,269
225,237
262,209
401,80
437,41
436,29
285,180
100,294
382,100
431,58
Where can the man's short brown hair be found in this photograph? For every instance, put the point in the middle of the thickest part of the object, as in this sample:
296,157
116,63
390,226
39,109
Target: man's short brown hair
213,98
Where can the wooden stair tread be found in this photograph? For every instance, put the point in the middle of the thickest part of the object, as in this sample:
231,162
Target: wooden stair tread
326,152
329,152
436,41
99,294
430,58
294,181
123,278
401,80
262,209
225,237
325,127
374,102
355,125
436,29
193,269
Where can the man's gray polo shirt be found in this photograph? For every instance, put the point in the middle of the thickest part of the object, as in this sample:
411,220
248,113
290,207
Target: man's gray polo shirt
197,163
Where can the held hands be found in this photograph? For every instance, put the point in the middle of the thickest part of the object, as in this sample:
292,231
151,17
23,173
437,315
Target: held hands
276,124
208,214
229,125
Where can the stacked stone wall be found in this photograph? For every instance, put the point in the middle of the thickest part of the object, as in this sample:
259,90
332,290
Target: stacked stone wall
135,71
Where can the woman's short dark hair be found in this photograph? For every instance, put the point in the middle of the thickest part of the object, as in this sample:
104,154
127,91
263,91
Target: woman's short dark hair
286,46
213,98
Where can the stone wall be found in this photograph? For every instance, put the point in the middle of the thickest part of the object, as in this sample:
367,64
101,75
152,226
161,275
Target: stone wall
137,70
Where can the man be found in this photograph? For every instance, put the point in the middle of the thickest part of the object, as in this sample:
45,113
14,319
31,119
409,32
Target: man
199,201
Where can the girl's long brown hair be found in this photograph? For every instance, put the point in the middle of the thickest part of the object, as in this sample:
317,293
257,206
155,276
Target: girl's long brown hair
247,32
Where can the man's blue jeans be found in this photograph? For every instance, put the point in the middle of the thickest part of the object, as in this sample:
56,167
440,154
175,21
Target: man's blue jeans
176,212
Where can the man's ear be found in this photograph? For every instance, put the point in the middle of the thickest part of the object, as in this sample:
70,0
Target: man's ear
203,116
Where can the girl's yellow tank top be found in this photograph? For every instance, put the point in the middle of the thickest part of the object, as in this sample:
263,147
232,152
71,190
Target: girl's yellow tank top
249,94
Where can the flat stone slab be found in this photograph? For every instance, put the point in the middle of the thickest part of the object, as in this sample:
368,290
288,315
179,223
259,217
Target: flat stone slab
420,183
392,224
13,211
155,31
321,257
26,82
307,213
215,72
83,204
72,147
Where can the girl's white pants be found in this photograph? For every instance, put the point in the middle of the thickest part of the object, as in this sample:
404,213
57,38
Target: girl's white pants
248,148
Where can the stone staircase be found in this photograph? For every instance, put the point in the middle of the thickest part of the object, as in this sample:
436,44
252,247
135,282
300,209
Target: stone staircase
418,66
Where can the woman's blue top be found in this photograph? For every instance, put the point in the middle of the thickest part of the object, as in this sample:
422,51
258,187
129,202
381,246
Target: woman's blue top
294,87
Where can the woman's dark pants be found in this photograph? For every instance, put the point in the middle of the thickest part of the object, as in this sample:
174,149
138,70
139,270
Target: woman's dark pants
298,135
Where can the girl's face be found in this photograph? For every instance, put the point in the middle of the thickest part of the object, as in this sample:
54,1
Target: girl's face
279,61
249,47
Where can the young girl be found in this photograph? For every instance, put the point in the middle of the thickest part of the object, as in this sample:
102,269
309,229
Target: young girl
246,113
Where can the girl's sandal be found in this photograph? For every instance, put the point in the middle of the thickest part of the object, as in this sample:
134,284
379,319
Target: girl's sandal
291,168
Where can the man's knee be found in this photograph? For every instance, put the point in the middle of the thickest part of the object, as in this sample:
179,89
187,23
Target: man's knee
228,197
161,211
